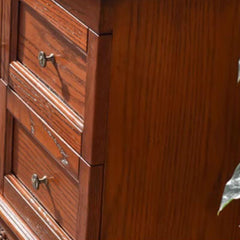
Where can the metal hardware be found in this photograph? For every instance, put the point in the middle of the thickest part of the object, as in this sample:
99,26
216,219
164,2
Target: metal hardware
43,59
3,235
64,162
238,80
36,181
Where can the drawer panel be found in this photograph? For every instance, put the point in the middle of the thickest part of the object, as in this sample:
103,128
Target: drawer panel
46,136
55,113
60,196
33,216
63,21
67,75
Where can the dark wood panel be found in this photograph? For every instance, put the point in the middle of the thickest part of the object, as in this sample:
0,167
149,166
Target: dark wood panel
36,216
3,104
46,105
13,221
46,136
60,196
97,92
67,76
174,121
61,20
96,14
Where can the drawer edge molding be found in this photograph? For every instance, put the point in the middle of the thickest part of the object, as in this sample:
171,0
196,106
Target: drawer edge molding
14,222
21,70
46,105
60,195
64,21
15,190
45,135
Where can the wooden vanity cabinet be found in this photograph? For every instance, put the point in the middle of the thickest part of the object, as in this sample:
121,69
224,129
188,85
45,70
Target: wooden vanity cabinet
119,119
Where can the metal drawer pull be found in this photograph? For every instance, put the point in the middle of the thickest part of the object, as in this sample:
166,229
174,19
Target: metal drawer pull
238,80
43,59
36,181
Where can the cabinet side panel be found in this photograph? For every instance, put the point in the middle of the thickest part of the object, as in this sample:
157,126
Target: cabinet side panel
174,132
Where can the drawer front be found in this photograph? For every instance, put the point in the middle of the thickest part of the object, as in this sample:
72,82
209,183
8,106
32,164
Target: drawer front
46,136
60,195
31,217
66,76
46,105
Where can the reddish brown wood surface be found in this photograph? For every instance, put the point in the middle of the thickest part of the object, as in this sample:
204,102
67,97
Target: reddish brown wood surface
1,48
5,38
9,35
174,121
31,212
8,143
60,196
3,103
90,195
14,30
61,20
5,232
67,76
97,92
46,136
96,14
13,223
46,105
38,121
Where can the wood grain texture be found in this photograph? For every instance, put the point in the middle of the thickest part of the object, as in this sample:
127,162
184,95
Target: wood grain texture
46,136
90,195
5,232
14,30
37,218
97,94
14,222
67,76
1,14
5,38
96,14
46,105
8,143
60,196
174,121
9,23
61,20
3,104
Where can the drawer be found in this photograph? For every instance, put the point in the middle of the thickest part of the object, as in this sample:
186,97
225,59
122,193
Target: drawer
47,137
60,195
58,116
66,74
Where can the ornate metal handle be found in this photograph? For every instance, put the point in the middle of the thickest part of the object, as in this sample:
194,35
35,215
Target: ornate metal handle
36,181
43,59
